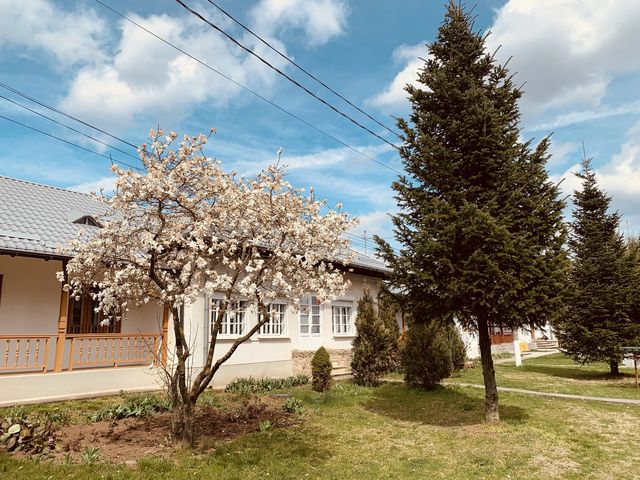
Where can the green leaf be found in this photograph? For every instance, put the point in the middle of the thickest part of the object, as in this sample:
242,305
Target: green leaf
15,428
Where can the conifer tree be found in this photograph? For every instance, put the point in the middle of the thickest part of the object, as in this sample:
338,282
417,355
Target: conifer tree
373,344
597,322
480,224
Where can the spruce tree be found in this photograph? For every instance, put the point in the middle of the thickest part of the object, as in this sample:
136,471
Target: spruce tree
480,224
598,321
373,344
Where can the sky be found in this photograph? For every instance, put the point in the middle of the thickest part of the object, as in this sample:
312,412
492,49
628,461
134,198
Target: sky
578,61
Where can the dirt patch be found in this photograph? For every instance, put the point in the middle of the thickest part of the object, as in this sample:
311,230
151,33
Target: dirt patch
128,440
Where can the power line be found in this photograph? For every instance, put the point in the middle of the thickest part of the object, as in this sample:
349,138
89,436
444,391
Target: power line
67,126
65,141
54,109
302,69
291,79
247,89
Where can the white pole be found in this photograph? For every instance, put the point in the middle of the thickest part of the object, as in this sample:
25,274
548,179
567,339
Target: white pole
516,349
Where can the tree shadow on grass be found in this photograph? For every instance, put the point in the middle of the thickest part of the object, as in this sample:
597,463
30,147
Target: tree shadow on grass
576,373
446,406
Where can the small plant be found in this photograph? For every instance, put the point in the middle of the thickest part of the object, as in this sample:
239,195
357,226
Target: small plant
248,386
141,405
90,455
56,416
293,405
17,414
265,425
67,459
19,433
321,370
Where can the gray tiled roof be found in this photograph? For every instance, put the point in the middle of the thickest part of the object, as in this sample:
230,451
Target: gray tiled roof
38,219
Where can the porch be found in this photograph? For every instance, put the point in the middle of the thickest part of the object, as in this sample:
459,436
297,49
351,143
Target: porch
53,347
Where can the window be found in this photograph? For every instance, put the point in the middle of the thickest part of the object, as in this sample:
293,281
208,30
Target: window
341,323
87,220
234,320
310,316
82,317
275,326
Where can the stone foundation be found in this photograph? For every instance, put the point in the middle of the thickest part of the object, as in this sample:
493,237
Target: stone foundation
340,358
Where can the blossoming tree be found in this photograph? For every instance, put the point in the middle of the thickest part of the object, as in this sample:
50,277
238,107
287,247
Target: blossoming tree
184,227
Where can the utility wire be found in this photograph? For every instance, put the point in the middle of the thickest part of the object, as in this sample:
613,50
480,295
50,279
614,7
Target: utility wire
67,126
291,79
302,69
54,109
247,89
65,141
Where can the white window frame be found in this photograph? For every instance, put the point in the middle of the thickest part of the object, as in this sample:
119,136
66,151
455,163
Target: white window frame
230,326
310,316
342,319
278,318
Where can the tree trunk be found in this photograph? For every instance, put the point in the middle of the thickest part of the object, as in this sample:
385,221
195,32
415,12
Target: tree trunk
488,372
615,369
182,422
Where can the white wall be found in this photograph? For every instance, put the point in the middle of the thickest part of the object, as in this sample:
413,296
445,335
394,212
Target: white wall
30,298
260,349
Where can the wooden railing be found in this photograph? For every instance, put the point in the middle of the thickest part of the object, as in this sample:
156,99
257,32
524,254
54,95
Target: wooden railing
113,350
34,353
23,353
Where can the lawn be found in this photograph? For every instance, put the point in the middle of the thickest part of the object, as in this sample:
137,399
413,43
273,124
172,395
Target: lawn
558,373
394,432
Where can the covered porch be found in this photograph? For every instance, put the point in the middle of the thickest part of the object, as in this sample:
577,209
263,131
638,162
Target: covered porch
54,347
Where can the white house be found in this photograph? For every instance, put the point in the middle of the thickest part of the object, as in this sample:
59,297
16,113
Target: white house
53,347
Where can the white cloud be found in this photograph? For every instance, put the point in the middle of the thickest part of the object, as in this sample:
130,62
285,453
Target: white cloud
582,116
620,178
561,152
106,184
147,79
394,97
320,20
567,51
72,37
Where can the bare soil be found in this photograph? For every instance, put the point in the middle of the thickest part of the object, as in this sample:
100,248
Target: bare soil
128,440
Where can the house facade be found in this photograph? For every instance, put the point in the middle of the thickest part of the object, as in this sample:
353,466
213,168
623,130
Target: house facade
54,347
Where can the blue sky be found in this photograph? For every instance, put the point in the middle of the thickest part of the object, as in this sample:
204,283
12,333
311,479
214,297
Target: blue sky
579,60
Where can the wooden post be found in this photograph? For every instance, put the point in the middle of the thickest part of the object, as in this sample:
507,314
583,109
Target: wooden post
635,367
165,335
62,325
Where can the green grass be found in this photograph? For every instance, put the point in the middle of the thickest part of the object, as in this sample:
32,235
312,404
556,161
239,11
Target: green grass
558,373
393,432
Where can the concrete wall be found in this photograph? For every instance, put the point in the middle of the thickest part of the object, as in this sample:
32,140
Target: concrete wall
19,389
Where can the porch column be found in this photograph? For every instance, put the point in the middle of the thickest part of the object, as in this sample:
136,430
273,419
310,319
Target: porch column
62,325
165,335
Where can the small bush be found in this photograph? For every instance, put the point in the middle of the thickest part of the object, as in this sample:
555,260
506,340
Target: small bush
293,405
427,355
458,348
321,370
260,386
139,405
374,344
